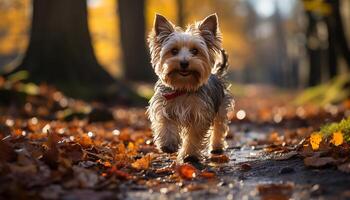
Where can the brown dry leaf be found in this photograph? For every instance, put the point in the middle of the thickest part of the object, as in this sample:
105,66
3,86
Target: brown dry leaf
318,161
306,150
121,149
119,174
74,152
27,169
142,163
275,191
245,167
344,167
194,187
207,175
222,158
51,156
7,153
187,171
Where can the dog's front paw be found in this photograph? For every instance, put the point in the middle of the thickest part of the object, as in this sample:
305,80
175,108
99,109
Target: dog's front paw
191,159
169,148
217,151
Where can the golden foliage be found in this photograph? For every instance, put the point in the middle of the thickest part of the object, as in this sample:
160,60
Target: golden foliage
142,163
13,26
318,6
315,140
337,138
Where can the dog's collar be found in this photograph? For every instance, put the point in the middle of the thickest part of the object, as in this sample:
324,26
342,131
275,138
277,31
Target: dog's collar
173,94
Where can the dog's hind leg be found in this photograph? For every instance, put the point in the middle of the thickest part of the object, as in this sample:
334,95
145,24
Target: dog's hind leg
220,128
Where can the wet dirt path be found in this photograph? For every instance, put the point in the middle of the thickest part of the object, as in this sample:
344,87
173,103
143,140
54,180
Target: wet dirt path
251,174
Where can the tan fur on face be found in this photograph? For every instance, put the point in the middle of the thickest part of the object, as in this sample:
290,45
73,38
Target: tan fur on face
165,37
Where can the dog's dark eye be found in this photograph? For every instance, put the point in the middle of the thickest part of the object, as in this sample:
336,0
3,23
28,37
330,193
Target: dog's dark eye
194,51
174,51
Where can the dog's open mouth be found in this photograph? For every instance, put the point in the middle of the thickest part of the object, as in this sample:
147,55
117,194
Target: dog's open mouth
185,73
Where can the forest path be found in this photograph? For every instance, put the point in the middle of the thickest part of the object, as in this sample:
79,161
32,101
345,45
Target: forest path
252,174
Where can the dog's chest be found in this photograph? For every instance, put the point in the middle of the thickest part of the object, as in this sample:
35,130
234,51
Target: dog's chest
188,109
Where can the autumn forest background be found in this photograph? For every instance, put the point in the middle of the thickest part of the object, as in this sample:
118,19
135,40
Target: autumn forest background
75,78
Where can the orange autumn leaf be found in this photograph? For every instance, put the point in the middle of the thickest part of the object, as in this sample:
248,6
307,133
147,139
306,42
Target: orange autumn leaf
121,149
132,150
85,140
187,171
222,158
119,173
207,175
107,164
337,138
315,140
142,163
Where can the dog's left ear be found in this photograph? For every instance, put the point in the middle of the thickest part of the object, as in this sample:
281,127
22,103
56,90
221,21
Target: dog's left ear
210,24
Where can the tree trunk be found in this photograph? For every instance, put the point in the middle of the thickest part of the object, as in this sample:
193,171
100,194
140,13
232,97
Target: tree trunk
340,32
181,13
132,28
60,50
332,48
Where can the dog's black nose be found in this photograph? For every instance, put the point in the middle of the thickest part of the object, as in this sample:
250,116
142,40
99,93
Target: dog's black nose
184,64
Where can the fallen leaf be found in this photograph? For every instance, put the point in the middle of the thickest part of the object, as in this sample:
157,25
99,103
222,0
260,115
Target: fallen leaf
187,171
107,164
7,153
245,167
344,167
318,161
74,152
275,191
85,140
142,163
119,174
50,157
337,138
219,158
315,140
207,175
194,187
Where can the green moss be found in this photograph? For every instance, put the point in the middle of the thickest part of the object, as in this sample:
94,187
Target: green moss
342,126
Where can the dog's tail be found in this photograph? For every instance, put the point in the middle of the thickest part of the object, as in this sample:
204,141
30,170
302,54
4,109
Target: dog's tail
222,66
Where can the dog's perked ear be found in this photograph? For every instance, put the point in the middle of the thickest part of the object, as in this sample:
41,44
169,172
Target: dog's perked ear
162,26
209,30
210,24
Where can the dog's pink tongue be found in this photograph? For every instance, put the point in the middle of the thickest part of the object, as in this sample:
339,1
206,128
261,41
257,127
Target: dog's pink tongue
173,95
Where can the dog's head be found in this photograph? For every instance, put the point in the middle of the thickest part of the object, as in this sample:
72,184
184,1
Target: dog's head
183,59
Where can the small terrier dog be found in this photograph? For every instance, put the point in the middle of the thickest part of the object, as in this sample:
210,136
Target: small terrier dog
191,101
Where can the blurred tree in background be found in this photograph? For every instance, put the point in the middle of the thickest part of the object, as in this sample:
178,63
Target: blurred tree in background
132,28
326,39
59,52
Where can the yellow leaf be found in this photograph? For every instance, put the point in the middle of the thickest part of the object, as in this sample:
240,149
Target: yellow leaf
142,163
315,140
337,138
